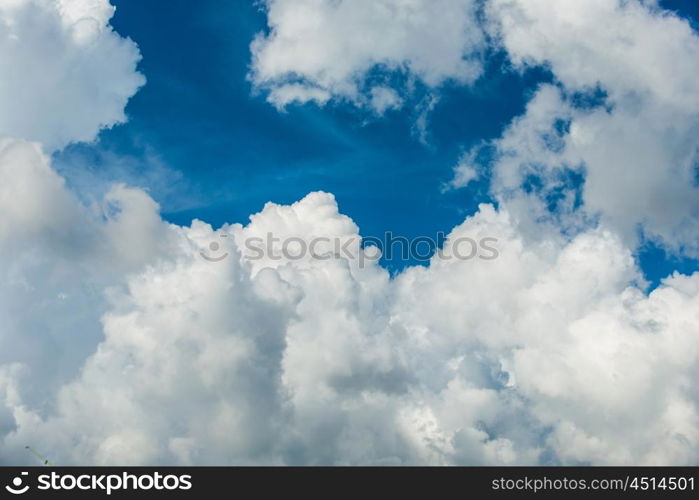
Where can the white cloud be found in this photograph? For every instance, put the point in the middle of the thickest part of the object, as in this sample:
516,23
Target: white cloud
628,47
548,351
638,151
384,98
124,345
296,92
467,170
57,259
316,50
66,73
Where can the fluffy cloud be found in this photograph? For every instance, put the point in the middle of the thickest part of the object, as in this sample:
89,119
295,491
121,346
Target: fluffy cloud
57,258
66,73
614,140
126,340
550,352
316,50
623,116
627,47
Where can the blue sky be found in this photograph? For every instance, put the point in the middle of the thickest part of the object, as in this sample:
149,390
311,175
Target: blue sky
208,147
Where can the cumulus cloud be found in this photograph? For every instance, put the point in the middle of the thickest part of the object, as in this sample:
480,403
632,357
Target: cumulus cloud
316,50
66,73
623,116
613,140
551,352
126,340
57,257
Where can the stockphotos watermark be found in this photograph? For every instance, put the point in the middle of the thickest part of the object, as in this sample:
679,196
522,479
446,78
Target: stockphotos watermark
355,248
103,483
